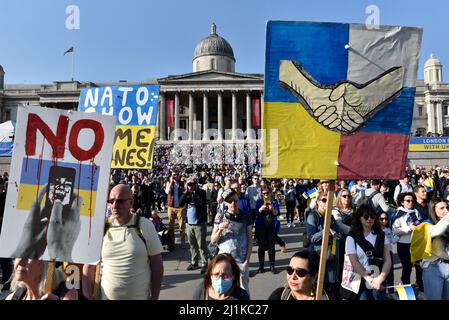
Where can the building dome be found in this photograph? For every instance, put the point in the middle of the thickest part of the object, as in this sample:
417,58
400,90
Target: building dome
213,53
213,45
1,69
433,70
432,61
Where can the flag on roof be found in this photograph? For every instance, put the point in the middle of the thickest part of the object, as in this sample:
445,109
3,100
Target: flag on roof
69,50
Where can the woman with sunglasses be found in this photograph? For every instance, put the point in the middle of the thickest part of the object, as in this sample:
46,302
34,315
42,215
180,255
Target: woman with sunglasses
407,218
301,275
369,253
221,281
342,213
314,232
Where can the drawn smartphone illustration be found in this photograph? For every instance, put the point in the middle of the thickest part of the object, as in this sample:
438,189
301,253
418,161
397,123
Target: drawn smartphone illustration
61,181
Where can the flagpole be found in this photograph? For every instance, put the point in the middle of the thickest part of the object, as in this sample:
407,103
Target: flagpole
73,54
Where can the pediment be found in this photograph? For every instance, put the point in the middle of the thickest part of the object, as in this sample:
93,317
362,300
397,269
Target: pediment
211,76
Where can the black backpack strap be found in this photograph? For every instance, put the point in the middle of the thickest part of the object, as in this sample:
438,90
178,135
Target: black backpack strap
372,195
136,225
19,294
371,251
379,245
286,293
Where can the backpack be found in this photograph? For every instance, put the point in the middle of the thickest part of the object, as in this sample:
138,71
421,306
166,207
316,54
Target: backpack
306,241
136,225
364,200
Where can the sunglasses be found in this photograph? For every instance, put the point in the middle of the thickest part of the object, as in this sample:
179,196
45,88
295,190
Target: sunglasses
367,216
323,200
346,196
409,201
300,272
383,219
119,201
265,193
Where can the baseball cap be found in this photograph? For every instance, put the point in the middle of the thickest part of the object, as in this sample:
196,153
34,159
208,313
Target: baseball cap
229,195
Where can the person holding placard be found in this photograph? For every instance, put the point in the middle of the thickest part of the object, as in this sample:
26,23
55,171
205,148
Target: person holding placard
29,281
131,263
369,253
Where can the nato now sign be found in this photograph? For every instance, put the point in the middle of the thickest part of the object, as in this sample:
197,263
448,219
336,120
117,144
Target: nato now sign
135,108
429,144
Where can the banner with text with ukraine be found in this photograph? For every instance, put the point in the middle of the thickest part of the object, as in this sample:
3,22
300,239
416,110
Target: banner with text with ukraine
136,109
338,99
58,185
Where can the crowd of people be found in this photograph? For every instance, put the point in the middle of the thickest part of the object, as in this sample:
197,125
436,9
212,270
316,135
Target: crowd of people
242,210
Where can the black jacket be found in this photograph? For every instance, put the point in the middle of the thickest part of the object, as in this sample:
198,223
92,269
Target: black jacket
199,199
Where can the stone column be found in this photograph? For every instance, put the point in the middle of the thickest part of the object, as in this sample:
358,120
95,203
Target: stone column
162,118
220,114
191,106
249,132
205,115
234,115
430,117
440,125
176,116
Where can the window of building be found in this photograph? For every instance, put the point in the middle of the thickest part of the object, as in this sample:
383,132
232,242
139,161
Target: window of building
183,124
7,115
445,110
213,64
420,132
420,111
446,132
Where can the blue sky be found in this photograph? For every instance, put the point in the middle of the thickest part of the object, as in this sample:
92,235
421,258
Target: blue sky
136,40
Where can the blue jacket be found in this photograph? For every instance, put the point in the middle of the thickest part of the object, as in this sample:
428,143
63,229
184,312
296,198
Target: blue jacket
244,205
315,230
259,203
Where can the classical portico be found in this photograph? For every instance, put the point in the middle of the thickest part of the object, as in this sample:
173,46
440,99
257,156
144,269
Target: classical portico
213,103
210,112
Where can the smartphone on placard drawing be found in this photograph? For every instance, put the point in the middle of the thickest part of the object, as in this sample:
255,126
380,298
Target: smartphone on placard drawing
61,181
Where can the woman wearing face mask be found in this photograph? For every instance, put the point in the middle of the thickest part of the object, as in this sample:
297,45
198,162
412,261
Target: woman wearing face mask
301,275
221,281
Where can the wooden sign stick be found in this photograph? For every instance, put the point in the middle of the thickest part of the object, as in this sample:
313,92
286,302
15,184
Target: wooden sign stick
49,279
325,239
96,292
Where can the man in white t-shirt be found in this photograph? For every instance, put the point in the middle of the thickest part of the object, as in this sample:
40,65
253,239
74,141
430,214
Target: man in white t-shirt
131,263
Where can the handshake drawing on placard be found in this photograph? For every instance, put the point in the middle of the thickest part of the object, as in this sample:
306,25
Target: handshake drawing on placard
345,106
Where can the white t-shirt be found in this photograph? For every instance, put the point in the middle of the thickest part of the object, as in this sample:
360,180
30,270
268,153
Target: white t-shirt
361,256
126,273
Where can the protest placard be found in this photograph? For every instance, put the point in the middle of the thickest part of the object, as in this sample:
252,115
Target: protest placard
136,109
58,187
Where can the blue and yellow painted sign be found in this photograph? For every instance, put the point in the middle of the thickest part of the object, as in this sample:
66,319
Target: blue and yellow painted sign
424,144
